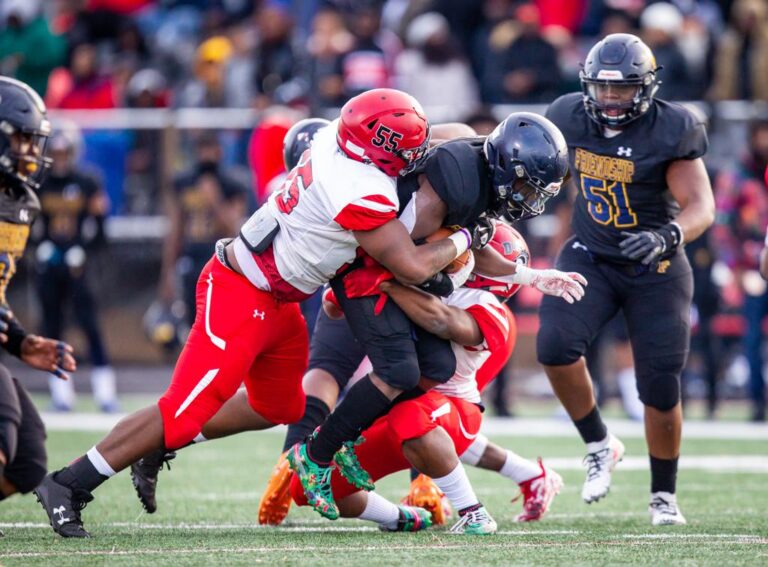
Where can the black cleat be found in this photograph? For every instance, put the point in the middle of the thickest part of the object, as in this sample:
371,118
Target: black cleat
144,476
63,505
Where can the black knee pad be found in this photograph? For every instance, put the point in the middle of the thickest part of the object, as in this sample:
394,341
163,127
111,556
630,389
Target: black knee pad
402,373
31,461
558,345
25,474
436,358
10,414
658,381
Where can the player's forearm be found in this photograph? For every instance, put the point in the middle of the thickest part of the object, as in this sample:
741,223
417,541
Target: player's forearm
489,262
695,218
425,310
764,263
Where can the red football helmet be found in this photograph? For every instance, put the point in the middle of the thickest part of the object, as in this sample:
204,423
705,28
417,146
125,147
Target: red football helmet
384,127
510,244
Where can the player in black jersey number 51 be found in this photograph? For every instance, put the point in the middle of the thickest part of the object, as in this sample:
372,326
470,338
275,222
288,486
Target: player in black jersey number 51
642,193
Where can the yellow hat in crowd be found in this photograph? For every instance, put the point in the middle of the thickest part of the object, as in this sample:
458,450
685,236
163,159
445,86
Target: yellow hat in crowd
214,50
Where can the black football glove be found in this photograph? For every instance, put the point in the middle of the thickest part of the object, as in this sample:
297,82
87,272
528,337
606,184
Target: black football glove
481,232
439,284
649,246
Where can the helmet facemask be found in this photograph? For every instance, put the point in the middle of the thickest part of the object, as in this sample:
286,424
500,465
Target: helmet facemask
525,197
628,105
22,153
414,157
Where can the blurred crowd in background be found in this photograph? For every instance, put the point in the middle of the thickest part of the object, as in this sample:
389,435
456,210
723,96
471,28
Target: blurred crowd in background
274,61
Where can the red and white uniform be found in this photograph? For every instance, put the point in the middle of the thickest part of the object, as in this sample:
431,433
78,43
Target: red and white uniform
324,199
491,317
452,406
249,329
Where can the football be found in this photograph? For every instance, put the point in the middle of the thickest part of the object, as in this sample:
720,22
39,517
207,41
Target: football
459,262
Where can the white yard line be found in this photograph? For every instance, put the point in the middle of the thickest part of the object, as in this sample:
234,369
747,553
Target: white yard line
470,543
518,427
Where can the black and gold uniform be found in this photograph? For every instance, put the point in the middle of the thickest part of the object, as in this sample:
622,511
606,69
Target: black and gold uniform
67,203
621,182
23,132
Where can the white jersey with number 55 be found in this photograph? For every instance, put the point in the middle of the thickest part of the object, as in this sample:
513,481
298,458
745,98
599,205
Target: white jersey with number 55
323,199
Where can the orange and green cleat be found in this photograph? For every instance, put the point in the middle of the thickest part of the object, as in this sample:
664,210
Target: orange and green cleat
349,467
315,480
276,500
424,493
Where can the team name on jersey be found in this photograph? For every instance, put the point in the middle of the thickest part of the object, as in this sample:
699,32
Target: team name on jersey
604,167
13,237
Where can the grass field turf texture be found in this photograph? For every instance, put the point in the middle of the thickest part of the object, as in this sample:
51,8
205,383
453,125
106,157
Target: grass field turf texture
208,503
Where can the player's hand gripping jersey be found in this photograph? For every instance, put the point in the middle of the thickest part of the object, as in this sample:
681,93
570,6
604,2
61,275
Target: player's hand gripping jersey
621,180
323,199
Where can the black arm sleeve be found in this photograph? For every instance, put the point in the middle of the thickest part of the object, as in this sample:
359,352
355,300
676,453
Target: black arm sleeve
16,335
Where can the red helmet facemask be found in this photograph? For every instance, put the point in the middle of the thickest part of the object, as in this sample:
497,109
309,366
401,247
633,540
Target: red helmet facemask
386,128
510,244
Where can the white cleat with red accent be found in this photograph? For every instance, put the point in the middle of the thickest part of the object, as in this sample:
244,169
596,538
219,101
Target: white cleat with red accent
538,494
600,465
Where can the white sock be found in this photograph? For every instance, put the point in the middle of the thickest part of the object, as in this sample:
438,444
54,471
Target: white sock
596,446
518,469
99,462
103,385
200,438
62,391
380,510
457,488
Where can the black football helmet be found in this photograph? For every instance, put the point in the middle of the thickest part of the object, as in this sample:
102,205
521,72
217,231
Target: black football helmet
620,59
298,138
528,160
24,131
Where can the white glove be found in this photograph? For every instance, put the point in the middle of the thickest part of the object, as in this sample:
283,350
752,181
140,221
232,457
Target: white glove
568,285
459,278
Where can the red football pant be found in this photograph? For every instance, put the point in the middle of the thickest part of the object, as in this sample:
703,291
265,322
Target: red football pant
240,335
381,453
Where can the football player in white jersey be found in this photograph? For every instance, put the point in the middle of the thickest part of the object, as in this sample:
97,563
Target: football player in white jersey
248,326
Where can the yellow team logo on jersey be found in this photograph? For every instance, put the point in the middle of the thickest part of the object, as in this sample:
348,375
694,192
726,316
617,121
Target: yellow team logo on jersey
13,238
663,267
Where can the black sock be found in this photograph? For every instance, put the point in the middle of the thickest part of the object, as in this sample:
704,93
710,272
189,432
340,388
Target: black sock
591,427
663,474
315,412
80,474
414,473
362,405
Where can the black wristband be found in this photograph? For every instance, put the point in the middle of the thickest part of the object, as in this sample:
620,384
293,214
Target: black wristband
439,284
16,335
672,235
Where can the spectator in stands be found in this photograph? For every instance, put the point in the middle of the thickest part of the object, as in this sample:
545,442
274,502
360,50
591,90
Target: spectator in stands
276,62
742,206
364,66
28,49
528,70
89,89
328,41
207,89
741,59
144,172
661,25
204,205
434,71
